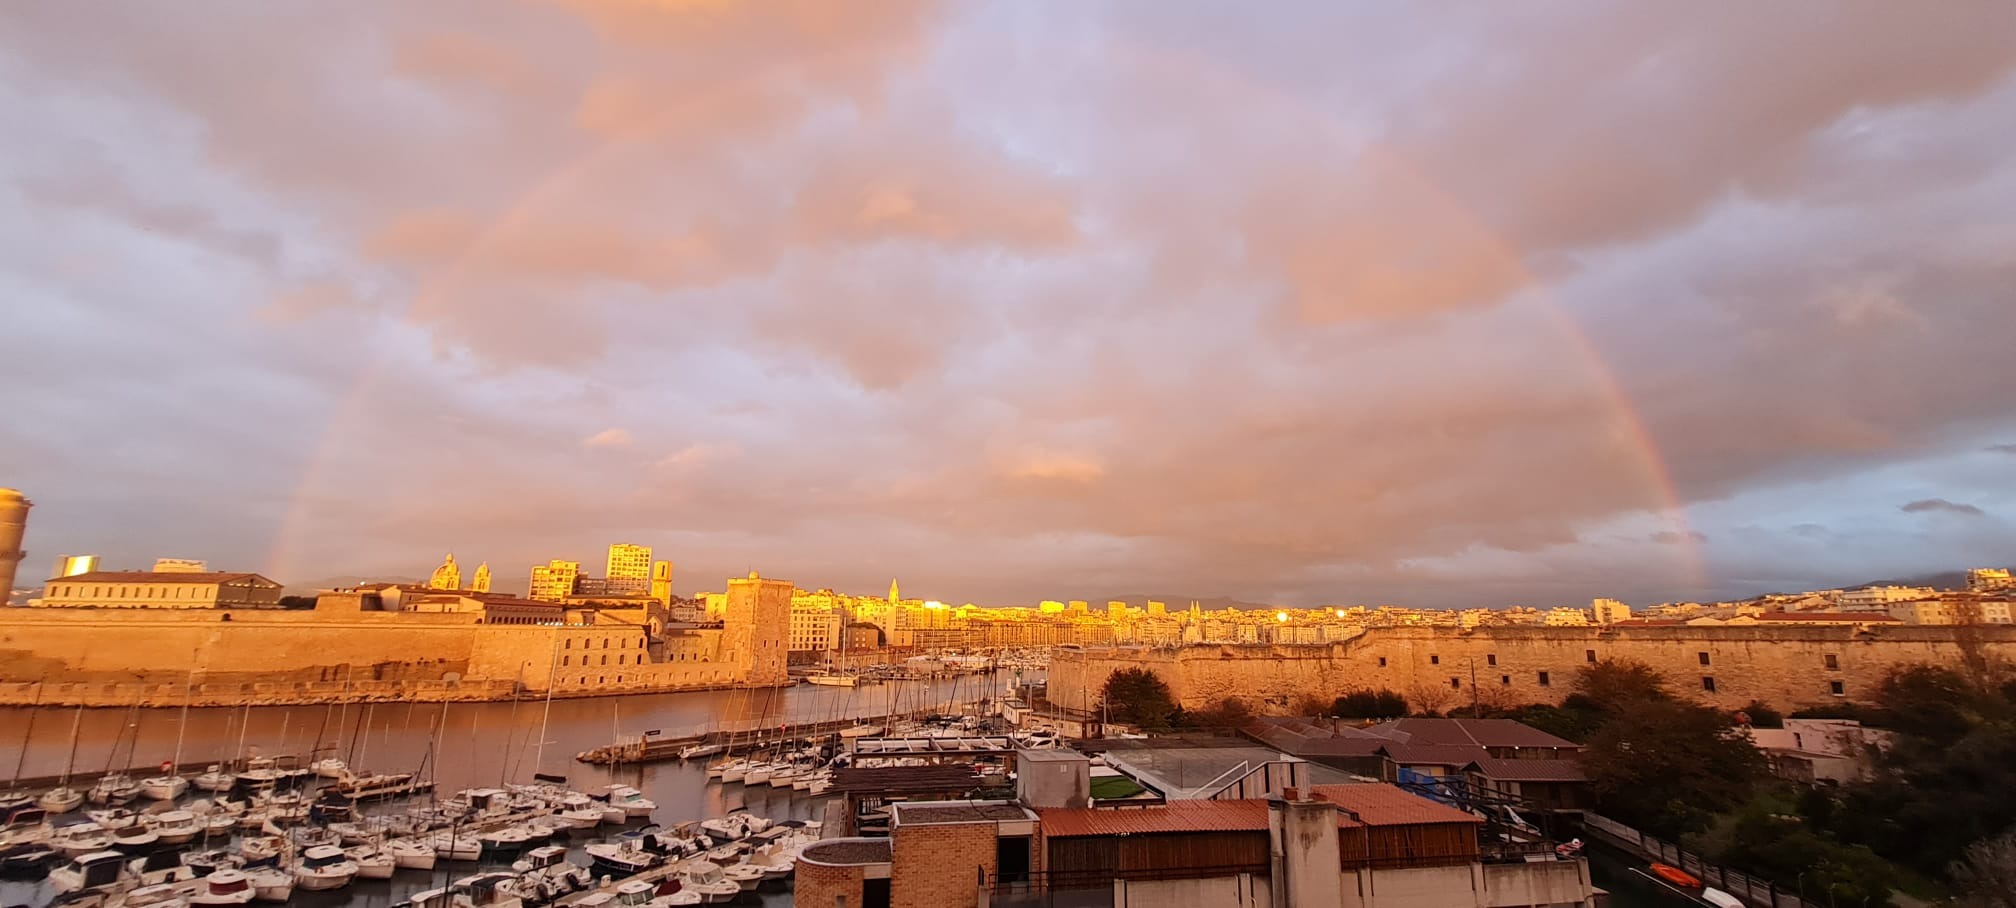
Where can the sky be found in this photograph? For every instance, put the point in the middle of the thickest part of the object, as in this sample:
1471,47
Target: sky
1435,304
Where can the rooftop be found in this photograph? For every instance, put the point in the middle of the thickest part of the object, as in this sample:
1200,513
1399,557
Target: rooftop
1380,804
162,577
905,779
843,852
1531,770
1375,804
913,814
1469,732
1182,772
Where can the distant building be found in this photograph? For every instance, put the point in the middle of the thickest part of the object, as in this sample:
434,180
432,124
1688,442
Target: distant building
629,569
1080,606
1988,580
895,595
661,581
446,577
72,565
180,566
481,583
146,589
1609,611
554,580
1566,617
1050,607
1157,609
816,624
1876,597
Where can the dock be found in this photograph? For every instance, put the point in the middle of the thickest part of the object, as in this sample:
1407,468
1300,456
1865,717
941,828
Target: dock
649,748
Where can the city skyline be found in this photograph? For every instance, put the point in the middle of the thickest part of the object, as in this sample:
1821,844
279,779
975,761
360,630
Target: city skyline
1341,304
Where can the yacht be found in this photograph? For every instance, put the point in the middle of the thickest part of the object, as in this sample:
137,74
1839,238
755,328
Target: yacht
113,819
581,811
700,751
114,789
164,787
270,884
705,877
412,855
833,679
324,867
60,800
223,889
634,804
215,779
373,862
509,838
96,870
330,768
745,875
135,838
627,856
457,847
175,827
759,774
80,839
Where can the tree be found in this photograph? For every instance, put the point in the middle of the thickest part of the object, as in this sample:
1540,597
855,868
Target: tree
1619,685
1230,712
1667,767
1137,696
1370,704
1930,702
1985,875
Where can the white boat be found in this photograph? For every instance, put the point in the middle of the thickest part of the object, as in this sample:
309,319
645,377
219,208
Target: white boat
705,877
114,819
60,800
113,789
215,779
324,867
462,847
759,774
135,838
634,804
175,827
96,870
373,862
775,860
747,876
581,811
159,895
329,768
163,788
509,838
860,731
262,848
223,889
412,855
80,839
834,680
700,751
271,884
785,774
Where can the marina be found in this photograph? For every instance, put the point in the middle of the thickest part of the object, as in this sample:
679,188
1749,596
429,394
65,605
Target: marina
399,750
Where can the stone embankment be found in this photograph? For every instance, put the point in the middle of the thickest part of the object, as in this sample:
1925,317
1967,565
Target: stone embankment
298,693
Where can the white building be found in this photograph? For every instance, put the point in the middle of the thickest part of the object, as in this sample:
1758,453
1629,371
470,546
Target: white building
1566,617
816,626
146,589
629,569
1609,611
1876,597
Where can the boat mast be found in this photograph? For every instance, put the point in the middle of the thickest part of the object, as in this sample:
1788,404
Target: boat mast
244,725
539,753
75,724
182,728
26,736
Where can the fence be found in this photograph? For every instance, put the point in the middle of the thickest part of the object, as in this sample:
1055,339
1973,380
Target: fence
1750,889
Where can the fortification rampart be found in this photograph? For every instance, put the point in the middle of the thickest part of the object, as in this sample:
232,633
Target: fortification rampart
1440,668
112,656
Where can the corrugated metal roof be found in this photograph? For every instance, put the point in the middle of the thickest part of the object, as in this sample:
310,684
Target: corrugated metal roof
1531,770
1379,804
1376,804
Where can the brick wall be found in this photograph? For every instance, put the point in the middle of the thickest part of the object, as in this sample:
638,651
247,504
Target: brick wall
939,865
818,886
1439,668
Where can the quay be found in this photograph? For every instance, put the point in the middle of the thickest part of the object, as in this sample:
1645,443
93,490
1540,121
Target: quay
649,748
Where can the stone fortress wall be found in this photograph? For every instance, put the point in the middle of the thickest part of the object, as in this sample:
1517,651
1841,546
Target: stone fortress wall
1441,668
338,651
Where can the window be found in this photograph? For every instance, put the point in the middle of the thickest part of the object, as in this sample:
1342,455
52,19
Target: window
1382,661
1833,663
1589,654
1708,683
1545,681
1505,680
1434,660
1837,688
1704,658
570,644
605,658
566,660
1456,683
1491,659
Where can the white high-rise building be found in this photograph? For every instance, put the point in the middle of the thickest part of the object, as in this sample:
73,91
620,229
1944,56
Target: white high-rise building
629,568
1609,611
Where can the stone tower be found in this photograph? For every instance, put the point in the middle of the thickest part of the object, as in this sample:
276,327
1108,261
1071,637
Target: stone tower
895,595
13,527
661,582
755,629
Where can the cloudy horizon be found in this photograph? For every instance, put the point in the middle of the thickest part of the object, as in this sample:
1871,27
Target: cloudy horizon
1436,305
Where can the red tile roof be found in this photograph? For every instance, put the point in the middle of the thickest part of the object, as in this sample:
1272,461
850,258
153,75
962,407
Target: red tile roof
1832,617
157,577
1379,804
1433,754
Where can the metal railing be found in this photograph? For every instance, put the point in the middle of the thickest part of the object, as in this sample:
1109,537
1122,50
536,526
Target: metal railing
1754,890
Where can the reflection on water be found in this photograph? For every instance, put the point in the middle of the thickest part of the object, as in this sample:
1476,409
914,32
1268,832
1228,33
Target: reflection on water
480,743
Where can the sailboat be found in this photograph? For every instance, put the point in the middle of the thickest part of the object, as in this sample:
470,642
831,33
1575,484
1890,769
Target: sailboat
170,785
63,798
217,777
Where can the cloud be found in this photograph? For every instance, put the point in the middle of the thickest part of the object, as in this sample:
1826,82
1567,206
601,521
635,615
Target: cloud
1940,505
1340,303
2003,449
